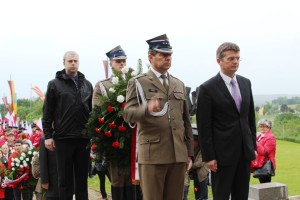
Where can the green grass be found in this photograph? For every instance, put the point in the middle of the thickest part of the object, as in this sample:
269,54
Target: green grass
287,172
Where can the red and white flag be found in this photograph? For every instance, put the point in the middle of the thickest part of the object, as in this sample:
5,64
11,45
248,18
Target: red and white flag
28,128
5,102
7,117
12,119
37,90
39,124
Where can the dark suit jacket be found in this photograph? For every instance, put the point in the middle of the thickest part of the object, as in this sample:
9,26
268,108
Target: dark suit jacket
225,132
48,169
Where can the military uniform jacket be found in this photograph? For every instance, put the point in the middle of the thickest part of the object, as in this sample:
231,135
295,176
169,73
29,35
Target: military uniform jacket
162,139
97,91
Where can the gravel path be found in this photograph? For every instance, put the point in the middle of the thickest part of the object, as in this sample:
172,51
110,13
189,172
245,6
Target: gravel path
95,195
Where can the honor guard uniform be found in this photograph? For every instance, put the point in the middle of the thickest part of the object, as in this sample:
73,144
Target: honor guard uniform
156,102
121,184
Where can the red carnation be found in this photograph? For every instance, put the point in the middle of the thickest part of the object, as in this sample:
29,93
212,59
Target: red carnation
110,108
116,144
101,120
93,147
108,134
195,189
122,128
97,130
20,173
112,125
123,105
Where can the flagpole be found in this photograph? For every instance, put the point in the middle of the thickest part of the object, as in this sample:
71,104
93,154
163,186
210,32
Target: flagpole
11,95
30,101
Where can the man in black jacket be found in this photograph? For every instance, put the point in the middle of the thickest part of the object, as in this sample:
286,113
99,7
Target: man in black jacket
66,111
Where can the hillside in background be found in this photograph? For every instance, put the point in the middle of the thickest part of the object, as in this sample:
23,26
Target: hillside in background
262,99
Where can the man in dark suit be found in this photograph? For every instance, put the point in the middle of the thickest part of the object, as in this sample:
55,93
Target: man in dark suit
226,126
165,134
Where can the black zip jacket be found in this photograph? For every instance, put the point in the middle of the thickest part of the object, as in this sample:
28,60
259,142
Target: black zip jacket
67,106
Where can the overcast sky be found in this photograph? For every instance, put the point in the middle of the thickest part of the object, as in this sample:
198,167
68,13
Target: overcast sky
34,35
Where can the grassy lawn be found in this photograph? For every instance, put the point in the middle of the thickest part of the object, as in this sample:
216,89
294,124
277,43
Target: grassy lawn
287,172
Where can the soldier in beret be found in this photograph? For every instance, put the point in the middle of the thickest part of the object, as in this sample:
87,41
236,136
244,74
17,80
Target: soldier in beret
156,101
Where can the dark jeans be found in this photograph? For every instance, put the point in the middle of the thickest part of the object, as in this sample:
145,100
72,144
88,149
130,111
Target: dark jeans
72,157
202,191
9,193
25,194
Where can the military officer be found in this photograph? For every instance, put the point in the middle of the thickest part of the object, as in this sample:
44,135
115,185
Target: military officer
156,101
121,185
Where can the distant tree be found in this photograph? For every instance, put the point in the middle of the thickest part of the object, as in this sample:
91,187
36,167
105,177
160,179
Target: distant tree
297,108
257,108
284,117
285,100
284,108
291,110
270,109
23,102
280,100
28,110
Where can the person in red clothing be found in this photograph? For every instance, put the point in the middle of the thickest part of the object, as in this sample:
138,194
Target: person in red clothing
10,138
2,174
36,136
18,151
266,147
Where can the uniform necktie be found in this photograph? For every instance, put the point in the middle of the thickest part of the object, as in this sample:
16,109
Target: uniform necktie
235,94
165,84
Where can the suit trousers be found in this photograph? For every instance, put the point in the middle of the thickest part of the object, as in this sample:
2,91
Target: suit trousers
72,157
162,181
232,180
121,184
25,194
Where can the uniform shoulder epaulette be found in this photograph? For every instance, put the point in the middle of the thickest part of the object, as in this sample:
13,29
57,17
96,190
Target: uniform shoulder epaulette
140,75
176,78
107,79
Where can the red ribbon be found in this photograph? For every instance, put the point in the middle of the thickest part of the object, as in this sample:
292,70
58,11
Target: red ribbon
14,183
134,168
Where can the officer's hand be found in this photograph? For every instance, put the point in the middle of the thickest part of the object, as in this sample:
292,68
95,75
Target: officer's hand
154,105
49,144
45,186
212,165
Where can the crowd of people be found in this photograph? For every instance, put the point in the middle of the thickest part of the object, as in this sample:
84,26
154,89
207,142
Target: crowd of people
15,141
170,151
